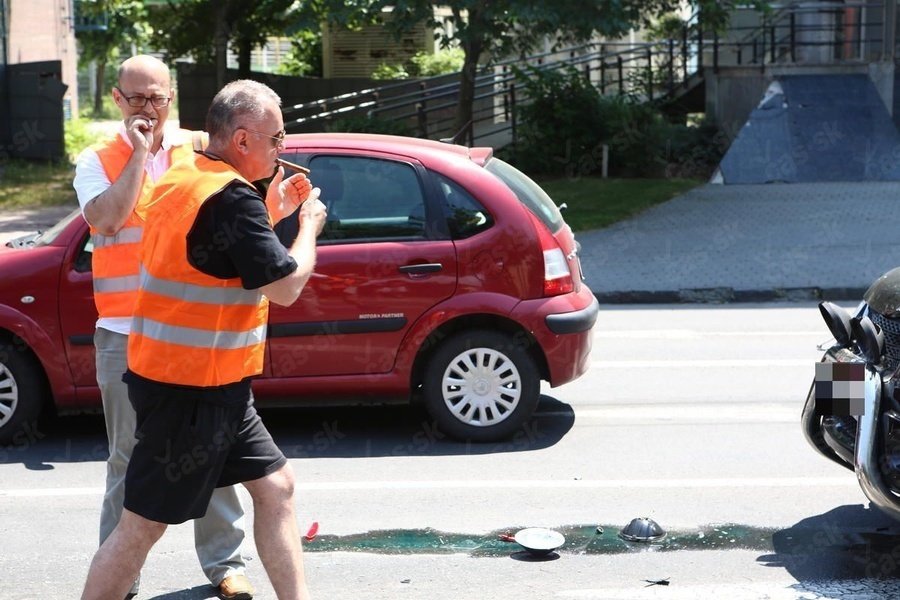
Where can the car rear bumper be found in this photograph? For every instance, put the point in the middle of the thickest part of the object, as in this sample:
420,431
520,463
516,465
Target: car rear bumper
576,321
562,325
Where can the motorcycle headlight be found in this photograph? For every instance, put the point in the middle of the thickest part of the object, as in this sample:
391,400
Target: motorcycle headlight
869,338
838,321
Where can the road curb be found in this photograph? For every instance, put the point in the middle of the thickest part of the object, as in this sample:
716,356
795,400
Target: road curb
727,295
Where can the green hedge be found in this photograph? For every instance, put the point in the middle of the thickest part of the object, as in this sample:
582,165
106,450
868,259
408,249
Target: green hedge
563,129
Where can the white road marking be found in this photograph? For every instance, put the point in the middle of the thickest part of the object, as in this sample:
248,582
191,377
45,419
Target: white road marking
530,484
749,363
696,334
859,589
51,492
715,413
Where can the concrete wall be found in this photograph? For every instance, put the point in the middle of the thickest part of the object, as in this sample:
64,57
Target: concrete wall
733,92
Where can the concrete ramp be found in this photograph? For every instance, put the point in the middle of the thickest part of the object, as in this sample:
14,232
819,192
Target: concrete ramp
811,128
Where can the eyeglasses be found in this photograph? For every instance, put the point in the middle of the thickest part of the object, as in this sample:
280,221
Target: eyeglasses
278,137
141,101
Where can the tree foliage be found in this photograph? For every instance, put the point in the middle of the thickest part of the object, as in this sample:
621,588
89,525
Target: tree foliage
442,62
305,55
497,28
124,26
206,29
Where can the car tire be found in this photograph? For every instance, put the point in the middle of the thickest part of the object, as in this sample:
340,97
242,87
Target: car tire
481,386
21,392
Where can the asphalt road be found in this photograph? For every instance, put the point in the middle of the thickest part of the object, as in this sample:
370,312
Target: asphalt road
689,415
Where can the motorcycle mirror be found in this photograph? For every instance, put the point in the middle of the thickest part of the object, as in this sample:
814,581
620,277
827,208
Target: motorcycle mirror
838,321
869,338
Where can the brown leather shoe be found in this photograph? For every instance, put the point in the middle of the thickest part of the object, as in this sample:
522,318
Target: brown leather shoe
236,587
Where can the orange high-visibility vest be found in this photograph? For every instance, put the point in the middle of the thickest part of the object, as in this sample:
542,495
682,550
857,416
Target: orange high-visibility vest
190,328
115,257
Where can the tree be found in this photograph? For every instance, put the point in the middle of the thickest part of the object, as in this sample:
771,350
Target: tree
183,29
120,24
502,27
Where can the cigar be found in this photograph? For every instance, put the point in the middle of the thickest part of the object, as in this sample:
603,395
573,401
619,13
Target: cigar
290,165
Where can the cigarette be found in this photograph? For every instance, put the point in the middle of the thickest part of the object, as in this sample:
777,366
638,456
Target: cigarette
290,165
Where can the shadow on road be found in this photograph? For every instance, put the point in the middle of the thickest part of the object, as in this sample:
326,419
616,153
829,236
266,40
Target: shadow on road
401,431
198,592
344,432
848,543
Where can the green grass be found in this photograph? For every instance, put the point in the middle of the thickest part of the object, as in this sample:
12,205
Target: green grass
108,111
26,184
594,202
79,135
36,184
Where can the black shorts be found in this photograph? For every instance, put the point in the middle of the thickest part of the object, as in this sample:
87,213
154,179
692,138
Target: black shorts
187,447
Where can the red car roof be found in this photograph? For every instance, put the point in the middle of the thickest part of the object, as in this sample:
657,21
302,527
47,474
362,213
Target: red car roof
387,143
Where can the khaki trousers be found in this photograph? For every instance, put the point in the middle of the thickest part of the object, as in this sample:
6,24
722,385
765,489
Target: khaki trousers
219,534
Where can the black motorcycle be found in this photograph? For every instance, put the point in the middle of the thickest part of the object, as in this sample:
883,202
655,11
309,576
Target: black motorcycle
852,412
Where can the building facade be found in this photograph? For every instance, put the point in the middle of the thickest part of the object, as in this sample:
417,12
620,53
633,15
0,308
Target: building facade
43,30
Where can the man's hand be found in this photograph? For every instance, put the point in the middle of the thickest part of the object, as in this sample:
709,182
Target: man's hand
139,129
311,217
285,195
313,212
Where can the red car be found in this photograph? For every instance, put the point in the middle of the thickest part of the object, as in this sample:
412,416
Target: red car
443,274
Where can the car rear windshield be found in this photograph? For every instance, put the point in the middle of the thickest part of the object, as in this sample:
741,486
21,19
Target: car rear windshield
529,193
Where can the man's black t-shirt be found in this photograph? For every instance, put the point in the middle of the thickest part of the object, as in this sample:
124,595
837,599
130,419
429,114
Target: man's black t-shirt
231,237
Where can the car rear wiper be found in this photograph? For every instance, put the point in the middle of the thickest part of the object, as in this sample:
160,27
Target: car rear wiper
25,241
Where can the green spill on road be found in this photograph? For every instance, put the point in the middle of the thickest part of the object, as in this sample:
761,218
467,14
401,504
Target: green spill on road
580,539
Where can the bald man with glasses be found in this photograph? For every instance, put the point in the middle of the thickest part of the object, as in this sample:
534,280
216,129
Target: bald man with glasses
113,179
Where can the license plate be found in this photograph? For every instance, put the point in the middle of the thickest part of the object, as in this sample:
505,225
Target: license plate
840,389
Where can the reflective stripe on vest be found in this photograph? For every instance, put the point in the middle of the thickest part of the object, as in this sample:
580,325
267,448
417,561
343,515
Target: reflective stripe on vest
113,285
197,338
115,257
126,235
190,328
198,293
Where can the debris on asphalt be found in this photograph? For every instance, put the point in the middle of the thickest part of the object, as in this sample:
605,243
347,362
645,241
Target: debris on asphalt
643,529
539,541
312,532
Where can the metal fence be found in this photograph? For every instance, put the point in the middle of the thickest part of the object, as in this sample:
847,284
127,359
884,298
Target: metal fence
810,34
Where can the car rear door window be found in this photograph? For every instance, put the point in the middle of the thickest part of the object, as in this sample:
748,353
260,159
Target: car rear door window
528,192
465,215
369,198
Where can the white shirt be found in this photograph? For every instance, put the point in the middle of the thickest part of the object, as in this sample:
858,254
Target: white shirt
91,181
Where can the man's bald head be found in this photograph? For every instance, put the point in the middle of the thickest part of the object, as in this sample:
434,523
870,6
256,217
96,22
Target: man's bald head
144,67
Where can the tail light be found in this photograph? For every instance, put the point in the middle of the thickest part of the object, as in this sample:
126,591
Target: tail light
557,276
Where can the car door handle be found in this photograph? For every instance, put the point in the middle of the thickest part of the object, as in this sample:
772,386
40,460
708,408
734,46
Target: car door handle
421,269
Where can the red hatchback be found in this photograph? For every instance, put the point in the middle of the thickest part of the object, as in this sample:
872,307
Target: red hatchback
443,274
